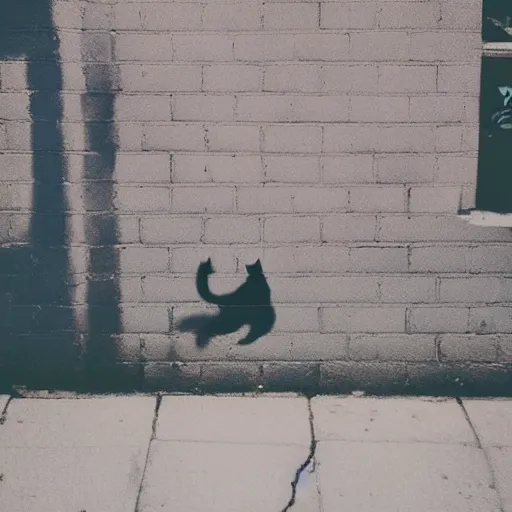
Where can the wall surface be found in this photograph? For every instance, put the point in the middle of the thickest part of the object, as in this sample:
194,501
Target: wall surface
333,141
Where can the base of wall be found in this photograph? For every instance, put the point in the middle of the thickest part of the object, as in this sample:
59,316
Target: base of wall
310,378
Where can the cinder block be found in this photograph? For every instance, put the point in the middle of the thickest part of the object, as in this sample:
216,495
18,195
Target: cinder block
227,77
379,46
445,46
395,347
408,289
468,348
379,109
417,15
143,108
167,16
470,134
319,200
14,106
462,78
349,228
449,138
231,17
292,169
233,138
172,230
15,196
322,47
438,109
292,138
461,15
160,78
143,47
140,319
407,79
263,47
456,169
265,200
202,47
230,377
435,199
376,319
174,137
291,376
142,199
168,289
129,136
379,378
142,168
346,77
291,229
16,167
347,169
173,377
202,200
203,107
217,168
405,168
296,319
292,108
475,289
354,15
495,258
320,289
377,199
378,259
304,259
490,319
97,16
144,259
231,230
293,78
384,138
290,16
187,259
436,258
438,319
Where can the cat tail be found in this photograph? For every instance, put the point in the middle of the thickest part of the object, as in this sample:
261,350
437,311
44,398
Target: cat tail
204,290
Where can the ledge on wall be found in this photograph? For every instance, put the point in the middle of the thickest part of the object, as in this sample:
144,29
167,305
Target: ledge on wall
486,218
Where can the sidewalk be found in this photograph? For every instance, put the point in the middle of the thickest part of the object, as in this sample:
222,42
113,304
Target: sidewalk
265,453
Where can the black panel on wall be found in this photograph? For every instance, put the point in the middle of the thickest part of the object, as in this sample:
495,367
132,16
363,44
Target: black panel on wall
494,184
497,21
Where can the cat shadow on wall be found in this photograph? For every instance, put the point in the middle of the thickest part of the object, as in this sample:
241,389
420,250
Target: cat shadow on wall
250,304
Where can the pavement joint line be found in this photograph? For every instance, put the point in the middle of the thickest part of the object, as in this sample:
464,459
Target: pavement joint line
3,414
159,397
479,445
309,460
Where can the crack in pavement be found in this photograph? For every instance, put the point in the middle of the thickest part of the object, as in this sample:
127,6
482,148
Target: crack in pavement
309,460
481,447
151,439
3,414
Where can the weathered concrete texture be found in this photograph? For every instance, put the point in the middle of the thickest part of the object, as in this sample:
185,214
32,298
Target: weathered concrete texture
501,462
391,477
240,453
235,419
492,421
82,454
392,419
3,402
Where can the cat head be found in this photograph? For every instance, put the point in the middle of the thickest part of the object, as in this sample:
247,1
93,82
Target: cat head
254,269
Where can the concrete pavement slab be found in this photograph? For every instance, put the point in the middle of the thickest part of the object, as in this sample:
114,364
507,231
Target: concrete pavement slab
492,420
91,479
104,421
390,419
501,462
404,477
307,497
219,477
235,419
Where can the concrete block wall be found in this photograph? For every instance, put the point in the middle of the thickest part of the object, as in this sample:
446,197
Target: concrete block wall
335,141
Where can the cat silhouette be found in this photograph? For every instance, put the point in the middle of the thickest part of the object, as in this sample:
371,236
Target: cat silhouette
250,304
